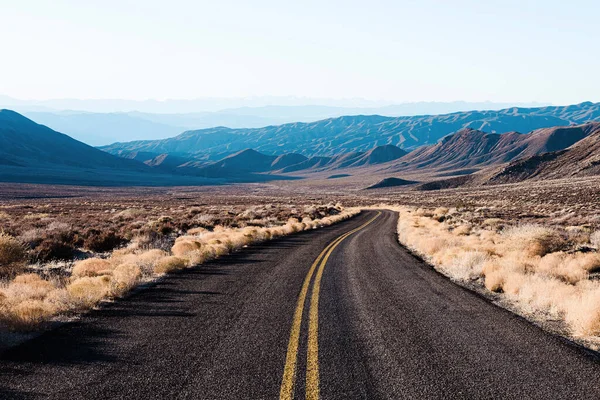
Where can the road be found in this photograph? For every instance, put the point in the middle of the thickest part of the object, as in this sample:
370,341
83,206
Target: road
342,312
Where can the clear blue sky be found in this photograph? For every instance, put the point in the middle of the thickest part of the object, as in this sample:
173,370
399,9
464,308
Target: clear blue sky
401,51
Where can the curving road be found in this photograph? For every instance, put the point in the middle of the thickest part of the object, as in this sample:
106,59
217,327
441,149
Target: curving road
343,312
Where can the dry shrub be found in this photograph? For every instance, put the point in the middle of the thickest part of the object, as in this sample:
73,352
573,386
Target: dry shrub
533,240
102,241
28,314
583,312
27,287
12,255
462,230
570,267
92,267
146,260
184,246
86,292
125,277
169,264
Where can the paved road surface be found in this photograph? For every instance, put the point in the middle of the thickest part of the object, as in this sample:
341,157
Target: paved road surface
297,318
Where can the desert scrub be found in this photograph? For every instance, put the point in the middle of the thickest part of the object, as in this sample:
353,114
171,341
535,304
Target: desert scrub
12,255
538,268
28,301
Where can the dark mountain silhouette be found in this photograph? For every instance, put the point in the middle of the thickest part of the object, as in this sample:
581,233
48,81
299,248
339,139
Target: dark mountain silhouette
34,153
27,144
360,133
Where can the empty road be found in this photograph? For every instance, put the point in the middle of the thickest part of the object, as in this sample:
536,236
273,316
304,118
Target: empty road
342,312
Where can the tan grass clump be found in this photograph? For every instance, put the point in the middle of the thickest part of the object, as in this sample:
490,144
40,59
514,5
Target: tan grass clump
169,264
28,314
184,246
583,312
86,292
92,267
533,240
124,278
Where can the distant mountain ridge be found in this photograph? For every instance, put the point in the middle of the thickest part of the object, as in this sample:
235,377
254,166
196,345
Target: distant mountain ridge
34,153
358,133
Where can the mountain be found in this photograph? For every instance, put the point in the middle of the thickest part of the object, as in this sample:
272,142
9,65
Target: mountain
34,153
359,133
380,154
286,160
26,143
470,147
245,162
580,159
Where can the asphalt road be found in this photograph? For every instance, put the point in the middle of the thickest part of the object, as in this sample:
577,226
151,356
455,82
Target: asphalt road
361,318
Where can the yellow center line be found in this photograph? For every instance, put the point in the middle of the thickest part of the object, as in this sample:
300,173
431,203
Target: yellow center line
312,354
289,372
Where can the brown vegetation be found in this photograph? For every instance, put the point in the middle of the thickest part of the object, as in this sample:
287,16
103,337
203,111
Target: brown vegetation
120,249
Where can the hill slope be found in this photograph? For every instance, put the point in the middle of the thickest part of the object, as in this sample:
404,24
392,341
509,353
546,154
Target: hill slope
34,153
581,159
473,148
25,143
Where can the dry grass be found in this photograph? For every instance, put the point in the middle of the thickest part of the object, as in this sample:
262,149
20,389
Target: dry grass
28,300
536,267
86,292
91,267
12,255
169,264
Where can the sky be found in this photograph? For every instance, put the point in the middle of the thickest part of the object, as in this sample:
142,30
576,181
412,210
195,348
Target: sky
393,51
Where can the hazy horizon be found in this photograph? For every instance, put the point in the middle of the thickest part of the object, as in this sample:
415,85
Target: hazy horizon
390,52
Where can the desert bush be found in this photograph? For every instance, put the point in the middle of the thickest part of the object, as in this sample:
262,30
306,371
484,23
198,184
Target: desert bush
12,255
462,229
583,312
185,245
125,277
534,240
102,241
88,291
27,314
27,287
92,267
51,248
169,264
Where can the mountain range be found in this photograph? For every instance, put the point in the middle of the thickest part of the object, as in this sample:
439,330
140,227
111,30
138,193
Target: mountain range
103,128
348,148
359,133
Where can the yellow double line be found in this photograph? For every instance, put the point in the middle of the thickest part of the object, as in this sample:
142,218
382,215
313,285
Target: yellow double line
312,356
